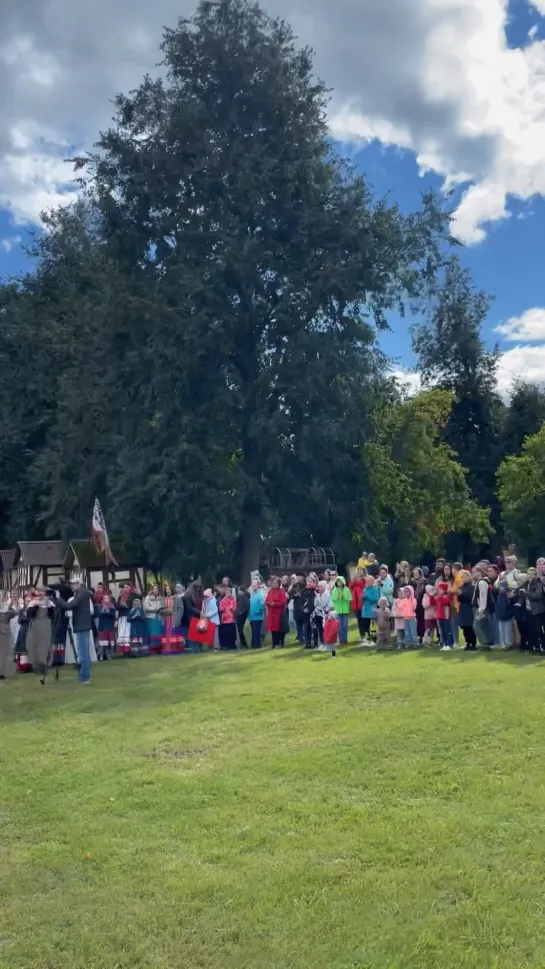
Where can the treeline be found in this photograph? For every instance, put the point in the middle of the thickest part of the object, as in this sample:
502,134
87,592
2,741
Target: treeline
197,340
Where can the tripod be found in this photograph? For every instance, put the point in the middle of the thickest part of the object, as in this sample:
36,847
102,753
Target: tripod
52,646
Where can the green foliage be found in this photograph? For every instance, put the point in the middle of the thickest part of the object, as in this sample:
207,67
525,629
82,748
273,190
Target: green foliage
524,416
418,487
452,356
521,491
198,343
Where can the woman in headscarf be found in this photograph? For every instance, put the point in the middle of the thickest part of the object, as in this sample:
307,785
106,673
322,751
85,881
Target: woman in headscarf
154,605
40,613
7,666
210,611
276,601
124,605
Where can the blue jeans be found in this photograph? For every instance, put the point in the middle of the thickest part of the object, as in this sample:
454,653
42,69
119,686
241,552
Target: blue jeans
455,627
82,647
445,632
411,638
343,628
255,626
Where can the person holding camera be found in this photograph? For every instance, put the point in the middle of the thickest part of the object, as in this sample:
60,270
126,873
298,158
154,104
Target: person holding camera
82,608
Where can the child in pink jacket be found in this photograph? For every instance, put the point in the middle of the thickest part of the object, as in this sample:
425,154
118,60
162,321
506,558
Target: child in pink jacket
430,613
406,609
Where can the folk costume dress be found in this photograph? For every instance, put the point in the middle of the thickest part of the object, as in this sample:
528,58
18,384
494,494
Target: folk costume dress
40,613
106,630
138,631
7,665
177,638
154,605
172,641
124,604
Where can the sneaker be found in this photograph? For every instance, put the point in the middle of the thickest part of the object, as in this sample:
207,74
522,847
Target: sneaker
321,649
445,649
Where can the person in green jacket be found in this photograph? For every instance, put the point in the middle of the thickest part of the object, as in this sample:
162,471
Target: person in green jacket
341,599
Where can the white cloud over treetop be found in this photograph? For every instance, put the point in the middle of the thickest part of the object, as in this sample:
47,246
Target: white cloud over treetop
434,76
527,327
525,362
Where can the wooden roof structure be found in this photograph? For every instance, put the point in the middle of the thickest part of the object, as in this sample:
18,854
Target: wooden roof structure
82,553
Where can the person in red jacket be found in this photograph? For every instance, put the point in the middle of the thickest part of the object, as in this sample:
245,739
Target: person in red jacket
442,608
276,602
356,586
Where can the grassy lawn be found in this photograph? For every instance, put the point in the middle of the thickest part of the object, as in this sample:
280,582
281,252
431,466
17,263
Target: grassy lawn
275,811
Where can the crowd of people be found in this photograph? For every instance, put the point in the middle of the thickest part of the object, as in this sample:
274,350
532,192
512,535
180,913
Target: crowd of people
493,603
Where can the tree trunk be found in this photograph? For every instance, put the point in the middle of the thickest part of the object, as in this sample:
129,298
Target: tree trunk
250,538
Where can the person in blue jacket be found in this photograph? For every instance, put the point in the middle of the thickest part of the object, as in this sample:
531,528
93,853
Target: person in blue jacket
256,615
371,595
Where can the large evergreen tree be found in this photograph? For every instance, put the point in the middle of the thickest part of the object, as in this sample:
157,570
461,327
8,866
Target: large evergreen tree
267,263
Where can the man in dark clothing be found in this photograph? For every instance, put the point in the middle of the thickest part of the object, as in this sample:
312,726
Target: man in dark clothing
243,608
60,627
373,566
298,614
81,607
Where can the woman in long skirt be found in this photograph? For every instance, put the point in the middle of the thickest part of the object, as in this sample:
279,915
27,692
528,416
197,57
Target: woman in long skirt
154,606
171,642
177,637
124,604
7,666
40,612
138,630
106,627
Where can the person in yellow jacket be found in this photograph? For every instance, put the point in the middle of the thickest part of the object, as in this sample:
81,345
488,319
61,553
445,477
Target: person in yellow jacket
363,561
341,599
455,581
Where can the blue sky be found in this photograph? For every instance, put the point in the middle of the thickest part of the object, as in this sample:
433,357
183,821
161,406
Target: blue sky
440,93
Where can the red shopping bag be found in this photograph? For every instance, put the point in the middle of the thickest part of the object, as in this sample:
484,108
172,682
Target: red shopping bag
197,635
331,631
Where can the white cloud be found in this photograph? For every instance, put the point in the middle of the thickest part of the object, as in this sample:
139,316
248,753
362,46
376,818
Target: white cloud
526,362
529,326
10,243
435,77
409,381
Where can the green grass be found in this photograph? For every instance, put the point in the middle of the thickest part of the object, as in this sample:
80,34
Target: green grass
275,811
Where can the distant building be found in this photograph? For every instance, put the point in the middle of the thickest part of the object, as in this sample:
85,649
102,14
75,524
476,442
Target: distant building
8,574
82,561
38,563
